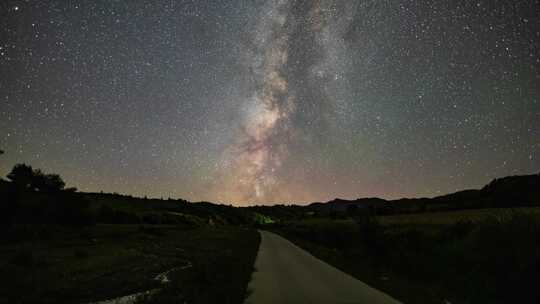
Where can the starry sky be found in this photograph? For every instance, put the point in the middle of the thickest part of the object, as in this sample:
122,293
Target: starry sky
262,102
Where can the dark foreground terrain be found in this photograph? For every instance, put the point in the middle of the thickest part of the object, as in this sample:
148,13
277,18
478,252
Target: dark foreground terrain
83,265
58,245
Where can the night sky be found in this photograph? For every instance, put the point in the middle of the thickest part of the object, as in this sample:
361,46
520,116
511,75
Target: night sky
264,102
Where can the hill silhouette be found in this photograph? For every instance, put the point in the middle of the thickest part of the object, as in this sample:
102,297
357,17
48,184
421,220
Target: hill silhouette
24,202
506,192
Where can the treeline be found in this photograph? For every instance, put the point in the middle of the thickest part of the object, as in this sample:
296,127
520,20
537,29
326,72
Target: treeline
31,197
24,177
34,197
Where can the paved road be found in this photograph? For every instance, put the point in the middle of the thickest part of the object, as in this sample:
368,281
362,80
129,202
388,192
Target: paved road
284,273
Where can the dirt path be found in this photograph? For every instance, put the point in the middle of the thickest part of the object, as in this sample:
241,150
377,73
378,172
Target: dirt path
285,273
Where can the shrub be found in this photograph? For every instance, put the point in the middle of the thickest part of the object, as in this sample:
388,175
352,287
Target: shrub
25,177
21,175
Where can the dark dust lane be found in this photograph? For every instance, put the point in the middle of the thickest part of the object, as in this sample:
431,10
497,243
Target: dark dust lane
284,273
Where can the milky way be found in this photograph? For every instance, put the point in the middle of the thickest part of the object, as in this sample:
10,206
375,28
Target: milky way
261,102
296,49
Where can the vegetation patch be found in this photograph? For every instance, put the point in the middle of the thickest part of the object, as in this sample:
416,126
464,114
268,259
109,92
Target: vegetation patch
492,259
109,261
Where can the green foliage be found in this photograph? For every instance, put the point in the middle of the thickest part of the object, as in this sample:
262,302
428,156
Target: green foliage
262,219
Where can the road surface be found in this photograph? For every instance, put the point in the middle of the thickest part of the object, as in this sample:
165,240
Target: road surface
285,273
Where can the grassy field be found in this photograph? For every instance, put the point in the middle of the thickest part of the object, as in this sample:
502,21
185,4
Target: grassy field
470,256
427,218
81,265
452,217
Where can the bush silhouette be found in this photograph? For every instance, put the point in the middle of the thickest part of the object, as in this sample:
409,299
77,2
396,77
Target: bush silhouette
22,175
35,197
47,182
25,177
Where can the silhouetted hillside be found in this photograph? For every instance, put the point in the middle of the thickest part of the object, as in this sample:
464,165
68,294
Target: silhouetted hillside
33,204
506,192
341,205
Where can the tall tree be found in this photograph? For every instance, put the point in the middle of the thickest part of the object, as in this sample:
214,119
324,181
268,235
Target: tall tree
22,175
49,182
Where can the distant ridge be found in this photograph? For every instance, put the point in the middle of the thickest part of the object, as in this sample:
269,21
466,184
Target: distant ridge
339,204
506,192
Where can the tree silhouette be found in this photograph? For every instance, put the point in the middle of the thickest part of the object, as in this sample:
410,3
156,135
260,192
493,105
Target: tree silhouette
25,177
22,176
47,182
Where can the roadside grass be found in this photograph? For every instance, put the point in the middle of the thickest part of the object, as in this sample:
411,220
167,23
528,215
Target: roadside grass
221,268
492,256
82,265
452,217
427,218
